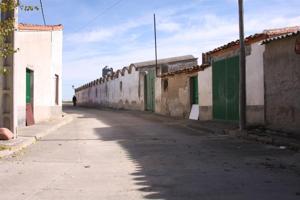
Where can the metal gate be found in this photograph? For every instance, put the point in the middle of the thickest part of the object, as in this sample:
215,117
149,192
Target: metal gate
226,89
150,90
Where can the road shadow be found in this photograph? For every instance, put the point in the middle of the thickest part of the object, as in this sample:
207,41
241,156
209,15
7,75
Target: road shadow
177,163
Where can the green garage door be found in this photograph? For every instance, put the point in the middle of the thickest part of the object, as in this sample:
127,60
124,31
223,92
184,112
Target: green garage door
150,90
226,89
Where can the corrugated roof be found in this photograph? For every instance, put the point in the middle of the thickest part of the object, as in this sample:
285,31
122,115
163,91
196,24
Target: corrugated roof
35,27
164,61
269,33
281,37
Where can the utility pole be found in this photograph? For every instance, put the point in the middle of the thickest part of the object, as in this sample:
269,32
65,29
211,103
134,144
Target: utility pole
155,40
242,85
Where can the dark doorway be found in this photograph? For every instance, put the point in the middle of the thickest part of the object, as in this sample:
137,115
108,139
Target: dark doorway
194,90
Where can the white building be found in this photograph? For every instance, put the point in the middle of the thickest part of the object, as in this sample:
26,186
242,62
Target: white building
37,68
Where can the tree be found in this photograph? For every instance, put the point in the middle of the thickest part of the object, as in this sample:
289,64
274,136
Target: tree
7,26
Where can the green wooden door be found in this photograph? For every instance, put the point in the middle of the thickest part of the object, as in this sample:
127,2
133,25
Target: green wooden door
226,89
150,90
194,90
28,86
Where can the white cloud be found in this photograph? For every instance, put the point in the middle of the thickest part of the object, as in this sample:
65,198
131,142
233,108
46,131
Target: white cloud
253,25
168,26
100,34
177,35
92,36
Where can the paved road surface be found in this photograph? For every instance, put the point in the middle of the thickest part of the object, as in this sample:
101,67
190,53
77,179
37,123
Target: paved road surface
120,155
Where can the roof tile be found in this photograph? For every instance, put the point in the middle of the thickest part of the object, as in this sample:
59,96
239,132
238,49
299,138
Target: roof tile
35,27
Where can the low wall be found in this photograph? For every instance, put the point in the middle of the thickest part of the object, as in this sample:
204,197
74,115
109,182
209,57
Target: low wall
122,90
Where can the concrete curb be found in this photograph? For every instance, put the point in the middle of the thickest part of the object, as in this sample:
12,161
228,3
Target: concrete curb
282,142
22,142
266,139
67,119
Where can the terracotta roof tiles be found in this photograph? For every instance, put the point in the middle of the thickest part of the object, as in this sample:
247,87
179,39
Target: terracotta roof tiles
266,34
281,37
34,27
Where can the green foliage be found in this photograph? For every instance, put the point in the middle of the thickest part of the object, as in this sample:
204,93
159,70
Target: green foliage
7,27
3,70
8,5
28,8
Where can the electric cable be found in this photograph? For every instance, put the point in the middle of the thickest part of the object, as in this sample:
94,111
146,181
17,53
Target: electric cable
100,14
42,10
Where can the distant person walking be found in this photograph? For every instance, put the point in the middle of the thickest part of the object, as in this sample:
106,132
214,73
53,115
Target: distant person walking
74,101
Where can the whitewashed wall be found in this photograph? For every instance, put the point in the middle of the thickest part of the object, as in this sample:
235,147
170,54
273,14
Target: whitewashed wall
255,75
41,52
205,93
255,84
110,94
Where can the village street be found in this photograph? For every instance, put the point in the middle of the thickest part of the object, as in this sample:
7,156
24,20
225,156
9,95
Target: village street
107,154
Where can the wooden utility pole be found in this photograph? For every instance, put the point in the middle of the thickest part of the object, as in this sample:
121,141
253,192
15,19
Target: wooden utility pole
155,40
242,86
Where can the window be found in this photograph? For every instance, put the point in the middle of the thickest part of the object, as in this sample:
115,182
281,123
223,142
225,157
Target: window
56,89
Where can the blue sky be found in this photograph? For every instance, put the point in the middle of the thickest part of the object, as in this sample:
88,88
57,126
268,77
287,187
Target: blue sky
119,32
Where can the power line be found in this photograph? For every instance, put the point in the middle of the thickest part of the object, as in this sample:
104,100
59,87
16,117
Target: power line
42,10
100,14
